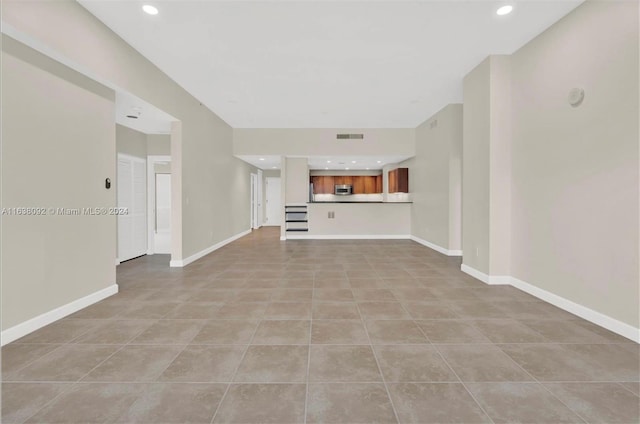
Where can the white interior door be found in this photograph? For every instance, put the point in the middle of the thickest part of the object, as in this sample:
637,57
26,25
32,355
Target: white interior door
260,200
274,208
131,194
254,201
162,230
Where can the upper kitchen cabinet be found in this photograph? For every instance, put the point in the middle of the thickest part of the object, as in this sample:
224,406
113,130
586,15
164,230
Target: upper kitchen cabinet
399,180
322,184
370,184
362,184
358,185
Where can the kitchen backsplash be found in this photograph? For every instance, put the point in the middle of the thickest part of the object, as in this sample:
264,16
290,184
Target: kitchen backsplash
348,198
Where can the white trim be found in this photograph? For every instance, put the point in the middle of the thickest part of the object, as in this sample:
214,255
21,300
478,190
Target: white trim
588,314
204,252
132,159
117,261
283,238
151,198
436,247
598,318
488,279
33,324
348,237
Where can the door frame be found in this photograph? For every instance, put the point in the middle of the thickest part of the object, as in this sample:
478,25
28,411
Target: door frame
279,206
151,199
132,158
253,202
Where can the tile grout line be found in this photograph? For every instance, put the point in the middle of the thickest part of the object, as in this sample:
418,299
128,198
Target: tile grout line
77,382
235,372
536,381
375,357
297,382
435,347
463,383
129,343
306,395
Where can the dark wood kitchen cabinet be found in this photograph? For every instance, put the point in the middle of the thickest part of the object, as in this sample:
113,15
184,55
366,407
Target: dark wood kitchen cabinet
358,185
362,184
399,180
370,185
322,184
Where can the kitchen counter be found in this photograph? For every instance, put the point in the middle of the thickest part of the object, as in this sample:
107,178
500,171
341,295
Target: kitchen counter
357,220
353,201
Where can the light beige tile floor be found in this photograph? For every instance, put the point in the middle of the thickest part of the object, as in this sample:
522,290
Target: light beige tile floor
264,331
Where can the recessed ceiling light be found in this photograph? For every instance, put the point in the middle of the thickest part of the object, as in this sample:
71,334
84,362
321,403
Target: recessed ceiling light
326,168
504,10
353,161
274,167
367,169
151,10
379,161
328,161
261,158
346,169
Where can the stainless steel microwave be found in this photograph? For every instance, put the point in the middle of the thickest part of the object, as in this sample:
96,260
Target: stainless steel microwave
343,189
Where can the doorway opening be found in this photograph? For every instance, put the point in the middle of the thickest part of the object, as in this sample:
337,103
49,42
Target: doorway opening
159,204
273,202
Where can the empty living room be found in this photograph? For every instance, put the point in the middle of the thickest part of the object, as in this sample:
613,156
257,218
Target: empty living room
320,212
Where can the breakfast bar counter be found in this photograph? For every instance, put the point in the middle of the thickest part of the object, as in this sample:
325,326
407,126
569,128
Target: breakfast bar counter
345,220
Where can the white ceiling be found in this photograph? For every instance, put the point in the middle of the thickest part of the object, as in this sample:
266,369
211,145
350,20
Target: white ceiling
342,64
328,162
150,119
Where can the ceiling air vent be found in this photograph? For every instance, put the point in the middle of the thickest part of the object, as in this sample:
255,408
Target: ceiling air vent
350,136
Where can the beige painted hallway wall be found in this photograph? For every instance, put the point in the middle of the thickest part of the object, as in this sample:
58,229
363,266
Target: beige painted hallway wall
131,142
575,170
435,179
57,157
215,185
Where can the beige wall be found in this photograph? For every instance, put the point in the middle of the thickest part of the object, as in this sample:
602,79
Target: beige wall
58,146
215,185
500,166
575,170
158,144
393,219
131,142
323,142
297,181
487,167
435,176
475,172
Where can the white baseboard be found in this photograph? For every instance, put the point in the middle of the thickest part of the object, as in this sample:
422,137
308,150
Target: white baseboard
348,237
590,315
605,321
283,238
488,279
29,326
200,254
117,261
436,247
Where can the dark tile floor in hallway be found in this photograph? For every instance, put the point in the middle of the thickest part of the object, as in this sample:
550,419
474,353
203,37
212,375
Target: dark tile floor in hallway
264,331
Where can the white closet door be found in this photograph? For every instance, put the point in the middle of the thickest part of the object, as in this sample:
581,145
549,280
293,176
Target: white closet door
132,188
